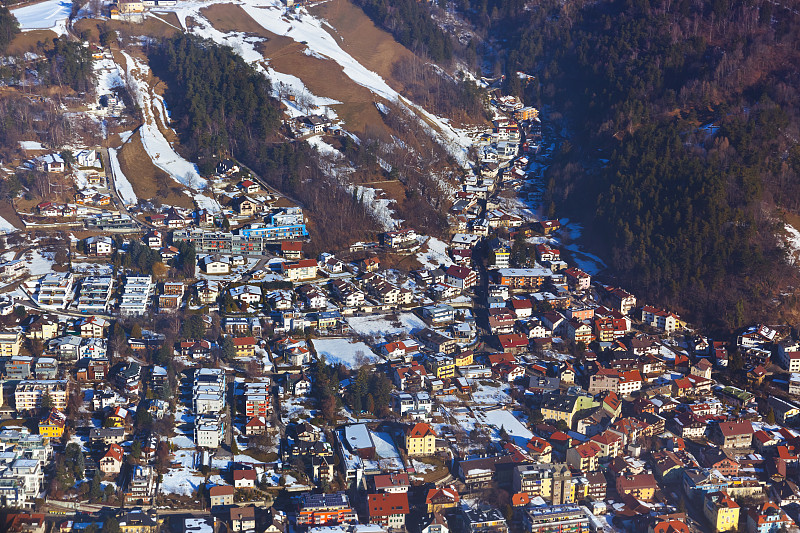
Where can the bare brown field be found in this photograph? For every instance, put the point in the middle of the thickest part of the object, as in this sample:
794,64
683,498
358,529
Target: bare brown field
28,41
231,17
8,213
162,25
371,46
144,175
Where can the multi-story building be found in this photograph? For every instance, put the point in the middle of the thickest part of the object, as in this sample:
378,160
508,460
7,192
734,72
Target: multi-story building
208,431
556,518
141,486
388,509
325,509
52,426
54,289
28,394
420,440
208,391
136,295
550,481
256,399
95,294
721,511
10,342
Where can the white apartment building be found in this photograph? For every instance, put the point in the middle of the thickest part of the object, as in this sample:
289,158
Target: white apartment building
208,391
136,295
28,394
95,294
208,431
54,289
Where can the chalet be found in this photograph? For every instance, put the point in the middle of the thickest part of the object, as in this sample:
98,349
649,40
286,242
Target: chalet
249,186
292,250
111,462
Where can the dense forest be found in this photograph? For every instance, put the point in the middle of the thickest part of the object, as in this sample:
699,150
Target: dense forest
683,122
69,63
410,23
222,106
9,27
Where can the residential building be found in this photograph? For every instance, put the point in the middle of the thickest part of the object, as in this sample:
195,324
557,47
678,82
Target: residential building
420,440
221,495
556,518
141,486
325,509
721,511
388,509
28,394
549,481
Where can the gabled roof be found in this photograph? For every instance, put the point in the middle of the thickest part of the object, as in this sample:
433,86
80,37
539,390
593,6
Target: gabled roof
420,430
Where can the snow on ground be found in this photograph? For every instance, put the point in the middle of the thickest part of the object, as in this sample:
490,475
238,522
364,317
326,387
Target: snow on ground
489,394
283,85
96,269
31,145
434,254
382,326
155,144
48,15
344,351
422,468
323,147
108,75
123,186
385,450
792,238
589,263
500,418
181,479
6,226
379,207
307,29
38,264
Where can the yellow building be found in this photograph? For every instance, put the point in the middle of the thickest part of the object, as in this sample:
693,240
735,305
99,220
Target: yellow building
721,511
420,440
564,406
464,358
9,343
443,367
52,427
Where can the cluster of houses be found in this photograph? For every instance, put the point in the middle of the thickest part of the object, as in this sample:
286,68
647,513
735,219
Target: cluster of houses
588,409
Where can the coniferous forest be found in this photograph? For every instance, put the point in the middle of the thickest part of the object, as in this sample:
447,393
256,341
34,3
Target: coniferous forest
682,152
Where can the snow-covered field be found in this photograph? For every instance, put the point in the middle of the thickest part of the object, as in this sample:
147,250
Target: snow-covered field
492,394
182,479
48,15
434,254
344,351
6,226
380,325
124,187
500,418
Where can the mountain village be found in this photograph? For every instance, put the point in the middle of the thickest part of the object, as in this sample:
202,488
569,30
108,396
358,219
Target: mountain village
167,368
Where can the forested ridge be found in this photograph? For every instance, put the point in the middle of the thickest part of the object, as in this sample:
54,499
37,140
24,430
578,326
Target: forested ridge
222,107
684,215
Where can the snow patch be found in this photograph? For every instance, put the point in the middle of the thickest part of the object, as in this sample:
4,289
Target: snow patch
48,15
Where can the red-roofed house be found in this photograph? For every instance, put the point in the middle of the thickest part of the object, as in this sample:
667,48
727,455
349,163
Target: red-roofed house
513,343
388,509
735,434
244,479
461,277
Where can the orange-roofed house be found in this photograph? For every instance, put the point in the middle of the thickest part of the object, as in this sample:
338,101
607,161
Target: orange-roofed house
111,462
721,511
641,486
441,498
520,499
420,440
584,456
767,518
539,449
671,526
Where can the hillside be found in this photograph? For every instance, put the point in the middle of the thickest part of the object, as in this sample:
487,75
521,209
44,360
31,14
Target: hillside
682,121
